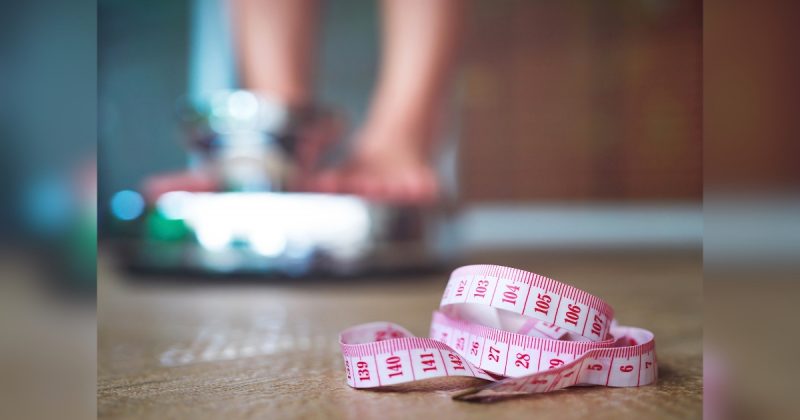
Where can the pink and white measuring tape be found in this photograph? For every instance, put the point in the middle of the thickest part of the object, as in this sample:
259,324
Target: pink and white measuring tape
524,332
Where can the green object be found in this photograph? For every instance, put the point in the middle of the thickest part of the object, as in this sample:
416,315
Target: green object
160,228
77,252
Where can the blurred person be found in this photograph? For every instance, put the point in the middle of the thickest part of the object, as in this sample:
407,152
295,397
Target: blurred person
392,155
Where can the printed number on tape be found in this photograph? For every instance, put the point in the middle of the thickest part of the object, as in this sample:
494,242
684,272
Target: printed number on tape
566,337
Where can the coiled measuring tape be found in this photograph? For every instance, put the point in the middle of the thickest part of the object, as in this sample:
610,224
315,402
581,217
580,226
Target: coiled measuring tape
524,332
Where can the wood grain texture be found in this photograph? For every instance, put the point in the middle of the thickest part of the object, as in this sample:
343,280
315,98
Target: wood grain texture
169,349
583,100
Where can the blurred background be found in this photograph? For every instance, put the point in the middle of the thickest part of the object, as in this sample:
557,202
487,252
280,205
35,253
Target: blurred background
751,206
574,100
570,124
574,126
48,199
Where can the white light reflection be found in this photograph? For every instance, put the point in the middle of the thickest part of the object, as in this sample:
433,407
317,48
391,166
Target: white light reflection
213,236
243,111
278,224
172,205
269,243
242,105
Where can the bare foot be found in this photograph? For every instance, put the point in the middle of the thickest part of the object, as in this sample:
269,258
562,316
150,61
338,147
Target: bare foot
314,131
387,166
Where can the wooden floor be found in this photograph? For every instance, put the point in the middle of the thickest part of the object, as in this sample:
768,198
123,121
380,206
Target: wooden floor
170,349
